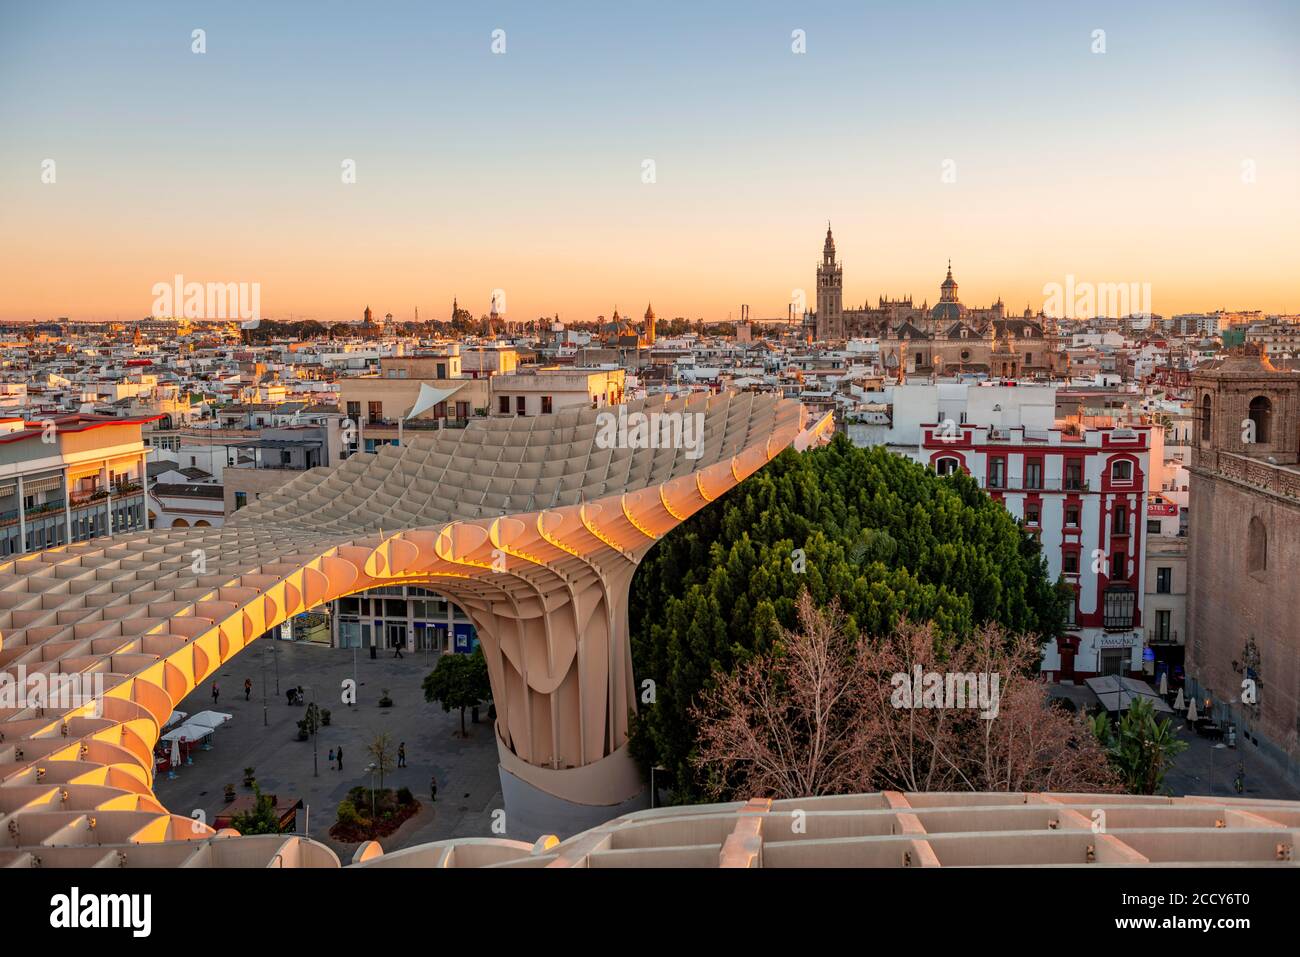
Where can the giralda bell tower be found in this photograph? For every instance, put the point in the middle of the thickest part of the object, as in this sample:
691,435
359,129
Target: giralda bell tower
830,292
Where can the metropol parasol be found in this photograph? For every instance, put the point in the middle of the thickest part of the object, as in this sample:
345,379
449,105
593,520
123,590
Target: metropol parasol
530,524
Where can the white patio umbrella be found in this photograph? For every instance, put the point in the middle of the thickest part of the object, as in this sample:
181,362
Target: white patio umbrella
1164,682
1179,703
1191,710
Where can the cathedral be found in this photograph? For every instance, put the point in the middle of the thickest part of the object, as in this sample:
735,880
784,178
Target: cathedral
944,339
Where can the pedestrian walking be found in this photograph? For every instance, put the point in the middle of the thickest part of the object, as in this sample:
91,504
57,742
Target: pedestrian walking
248,689
397,650
215,692
331,757
340,757
401,755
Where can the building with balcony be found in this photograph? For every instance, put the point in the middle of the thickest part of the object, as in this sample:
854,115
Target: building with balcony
69,479
1083,495
263,462
1165,607
544,391
421,393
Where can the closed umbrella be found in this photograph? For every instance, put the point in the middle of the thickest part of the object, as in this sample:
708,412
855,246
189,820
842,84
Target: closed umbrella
175,757
1164,682
1179,703
1191,710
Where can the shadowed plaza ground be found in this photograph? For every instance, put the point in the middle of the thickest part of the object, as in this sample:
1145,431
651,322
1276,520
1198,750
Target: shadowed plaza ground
469,788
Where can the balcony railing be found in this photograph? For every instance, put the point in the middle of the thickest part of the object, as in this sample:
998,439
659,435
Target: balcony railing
418,424
126,489
44,508
1015,483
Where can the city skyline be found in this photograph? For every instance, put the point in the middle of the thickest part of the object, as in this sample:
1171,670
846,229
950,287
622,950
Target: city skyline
997,138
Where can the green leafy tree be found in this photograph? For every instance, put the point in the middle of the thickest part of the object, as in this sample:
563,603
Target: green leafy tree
1141,747
886,537
458,681
262,819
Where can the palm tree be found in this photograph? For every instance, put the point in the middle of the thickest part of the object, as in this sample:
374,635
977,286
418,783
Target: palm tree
1141,748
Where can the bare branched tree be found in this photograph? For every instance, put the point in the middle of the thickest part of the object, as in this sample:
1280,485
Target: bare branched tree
788,724
831,713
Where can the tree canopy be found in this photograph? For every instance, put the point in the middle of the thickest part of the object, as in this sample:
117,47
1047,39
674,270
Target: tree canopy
885,537
458,681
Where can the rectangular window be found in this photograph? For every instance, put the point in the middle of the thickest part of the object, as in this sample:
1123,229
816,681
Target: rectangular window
547,405
1034,473
521,405
241,499
997,472
1162,625
1070,563
1072,516
1031,514
1164,581
1119,520
1153,526
1117,565
375,411
1118,609
1073,475
1113,661
354,411
503,405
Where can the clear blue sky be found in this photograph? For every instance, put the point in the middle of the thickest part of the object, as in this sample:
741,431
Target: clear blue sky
522,171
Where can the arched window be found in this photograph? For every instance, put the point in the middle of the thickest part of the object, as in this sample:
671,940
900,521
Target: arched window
180,523
947,466
202,523
1205,419
1122,471
1261,411
1257,547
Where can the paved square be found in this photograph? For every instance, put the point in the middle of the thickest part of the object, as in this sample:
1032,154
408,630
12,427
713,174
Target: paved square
468,786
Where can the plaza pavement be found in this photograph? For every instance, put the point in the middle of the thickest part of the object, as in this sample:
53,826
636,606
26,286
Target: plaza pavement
1191,773
468,786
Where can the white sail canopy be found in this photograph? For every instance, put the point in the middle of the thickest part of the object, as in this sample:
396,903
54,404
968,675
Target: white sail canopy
429,397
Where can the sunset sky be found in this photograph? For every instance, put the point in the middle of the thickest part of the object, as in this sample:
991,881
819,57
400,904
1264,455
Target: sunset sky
523,171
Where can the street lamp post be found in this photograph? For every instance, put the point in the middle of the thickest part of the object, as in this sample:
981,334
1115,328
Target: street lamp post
315,745
371,769
1217,747
265,721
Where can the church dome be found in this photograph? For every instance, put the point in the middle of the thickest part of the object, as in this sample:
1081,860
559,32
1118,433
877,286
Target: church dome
947,310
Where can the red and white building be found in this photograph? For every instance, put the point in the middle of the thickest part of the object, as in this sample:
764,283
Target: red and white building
1084,495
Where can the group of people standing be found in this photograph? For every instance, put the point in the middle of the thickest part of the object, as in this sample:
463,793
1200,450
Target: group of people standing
336,754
